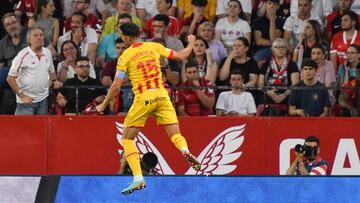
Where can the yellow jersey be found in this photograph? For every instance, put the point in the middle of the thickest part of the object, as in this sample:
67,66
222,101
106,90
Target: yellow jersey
141,62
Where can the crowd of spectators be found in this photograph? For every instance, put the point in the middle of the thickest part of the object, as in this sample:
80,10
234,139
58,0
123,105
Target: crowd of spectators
251,57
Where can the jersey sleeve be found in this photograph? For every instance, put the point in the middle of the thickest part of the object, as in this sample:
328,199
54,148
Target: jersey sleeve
163,51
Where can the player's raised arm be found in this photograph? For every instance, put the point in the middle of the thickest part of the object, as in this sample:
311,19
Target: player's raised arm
184,53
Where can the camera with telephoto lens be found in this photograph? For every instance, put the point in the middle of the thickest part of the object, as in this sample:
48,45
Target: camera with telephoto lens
306,150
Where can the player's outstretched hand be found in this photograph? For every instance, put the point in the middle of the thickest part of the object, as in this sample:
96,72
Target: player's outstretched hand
100,108
191,39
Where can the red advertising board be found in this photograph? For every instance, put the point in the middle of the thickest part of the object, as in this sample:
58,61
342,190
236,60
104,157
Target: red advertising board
224,146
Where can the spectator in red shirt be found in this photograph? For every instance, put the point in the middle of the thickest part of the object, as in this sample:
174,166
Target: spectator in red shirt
342,40
92,21
163,7
333,20
27,7
197,101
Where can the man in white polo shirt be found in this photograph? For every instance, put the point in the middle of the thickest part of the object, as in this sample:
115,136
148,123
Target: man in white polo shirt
29,75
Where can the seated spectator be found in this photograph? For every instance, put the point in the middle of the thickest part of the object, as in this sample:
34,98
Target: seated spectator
333,20
308,161
320,8
206,31
67,97
29,78
266,30
12,43
84,37
185,8
106,49
191,23
160,25
342,40
236,102
294,25
306,40
280,72
163,7
349,75
233,26
238,60
147,9
111,23
68,55
26,7
96,8
311,98
109,70
195,102
201,54
91,20
325,72
222,8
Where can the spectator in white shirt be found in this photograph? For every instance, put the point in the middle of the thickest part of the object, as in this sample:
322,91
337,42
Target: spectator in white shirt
236,102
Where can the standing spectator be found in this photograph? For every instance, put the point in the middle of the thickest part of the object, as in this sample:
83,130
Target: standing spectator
92,21
279,71
342,40
266,30
313,98
294,25
43,18
233,26
238,60
206,31
325,72
10,45
147,9
349,75
320,8
160,25
84,37
308,162
222,8
201,54
163,7
66,68
306,40
27,7
123,6
29,75
236,102
195,102
106,49
185,8
333,20
68,98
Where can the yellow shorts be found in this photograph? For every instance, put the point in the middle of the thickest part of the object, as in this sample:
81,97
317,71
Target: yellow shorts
151,102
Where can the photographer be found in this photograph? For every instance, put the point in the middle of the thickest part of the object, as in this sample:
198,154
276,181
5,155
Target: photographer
148,162
307,160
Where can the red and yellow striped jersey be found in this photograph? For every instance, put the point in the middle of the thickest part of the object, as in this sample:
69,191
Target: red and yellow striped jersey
141,62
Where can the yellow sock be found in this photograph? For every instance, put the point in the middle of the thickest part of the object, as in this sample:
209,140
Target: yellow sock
180,142
132,156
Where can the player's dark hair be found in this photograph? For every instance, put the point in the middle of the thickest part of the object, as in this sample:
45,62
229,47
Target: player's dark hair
130,30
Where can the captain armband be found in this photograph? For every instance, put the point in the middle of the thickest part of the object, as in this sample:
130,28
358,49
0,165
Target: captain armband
120,74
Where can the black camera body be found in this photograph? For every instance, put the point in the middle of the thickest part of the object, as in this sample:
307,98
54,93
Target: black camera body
306,150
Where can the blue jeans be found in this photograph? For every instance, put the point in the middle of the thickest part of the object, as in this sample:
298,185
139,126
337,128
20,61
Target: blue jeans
37,108
263,54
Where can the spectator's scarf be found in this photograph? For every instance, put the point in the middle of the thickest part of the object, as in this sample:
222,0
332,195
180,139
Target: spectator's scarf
279,77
